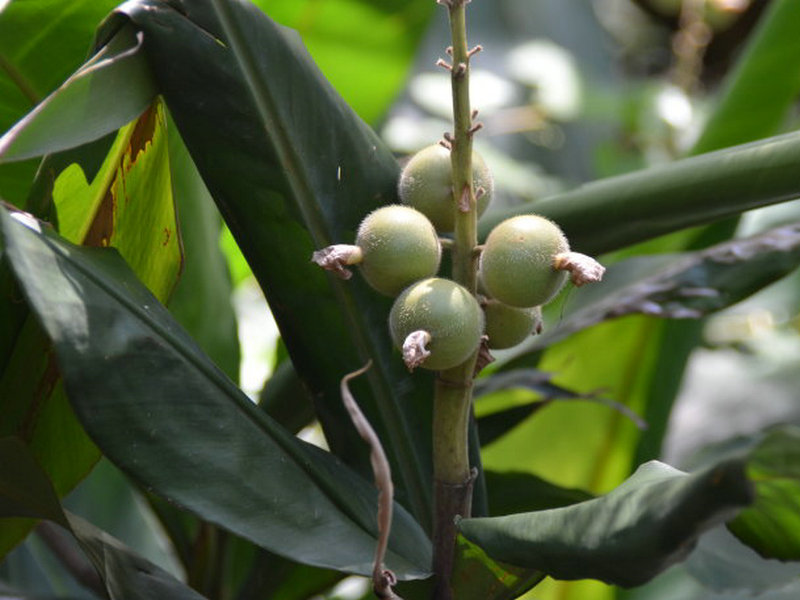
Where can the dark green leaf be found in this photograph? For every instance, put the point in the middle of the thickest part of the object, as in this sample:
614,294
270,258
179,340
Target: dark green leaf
170,418
515,492
25,490
626,537
772,525
276,578
88,105
285,399
290,179
612,213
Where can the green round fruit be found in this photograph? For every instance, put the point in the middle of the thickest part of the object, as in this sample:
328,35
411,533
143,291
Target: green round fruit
448,312
516,265
426,183
399,246
507,326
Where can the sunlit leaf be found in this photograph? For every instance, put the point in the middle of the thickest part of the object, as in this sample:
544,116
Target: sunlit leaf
772,525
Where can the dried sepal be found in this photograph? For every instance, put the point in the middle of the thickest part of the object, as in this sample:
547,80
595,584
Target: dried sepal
335,257
485,357
583,269
415,348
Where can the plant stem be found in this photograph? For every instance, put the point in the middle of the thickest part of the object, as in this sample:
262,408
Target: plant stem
453,393
466,235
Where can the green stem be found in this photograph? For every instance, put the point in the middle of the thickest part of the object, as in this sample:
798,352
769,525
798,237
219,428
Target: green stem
466,234
453,393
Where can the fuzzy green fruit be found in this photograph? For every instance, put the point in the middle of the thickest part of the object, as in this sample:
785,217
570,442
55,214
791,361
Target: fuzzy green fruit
399,246
426,183
448,312
517,265
507,326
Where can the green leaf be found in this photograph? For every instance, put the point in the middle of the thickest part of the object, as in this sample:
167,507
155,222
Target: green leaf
477,577
25,490
170,418
772,525
88,105
201,302
351,38
128,205
289,179
682,286
285,399
626,537
127,576
763,86
515,492
33,64
609,214
500,413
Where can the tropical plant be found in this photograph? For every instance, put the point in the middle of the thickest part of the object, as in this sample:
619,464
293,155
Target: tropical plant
119,354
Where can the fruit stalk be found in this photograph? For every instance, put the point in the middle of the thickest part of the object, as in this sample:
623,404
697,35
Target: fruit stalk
453,393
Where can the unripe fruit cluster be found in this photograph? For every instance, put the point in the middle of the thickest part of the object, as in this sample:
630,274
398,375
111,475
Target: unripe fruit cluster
437,323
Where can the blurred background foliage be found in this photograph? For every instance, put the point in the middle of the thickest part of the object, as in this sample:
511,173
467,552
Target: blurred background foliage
569,92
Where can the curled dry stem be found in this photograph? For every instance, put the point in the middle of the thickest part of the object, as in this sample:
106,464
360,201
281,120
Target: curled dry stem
382,579
583,269
335,257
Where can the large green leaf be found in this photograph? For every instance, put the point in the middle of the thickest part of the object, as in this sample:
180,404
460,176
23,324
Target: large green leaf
25,490
171,419
609,214
772,525
293,176
88,105
626,537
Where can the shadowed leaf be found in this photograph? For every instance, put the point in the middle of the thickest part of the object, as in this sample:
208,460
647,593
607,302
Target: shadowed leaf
170,418
289,178
626,537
